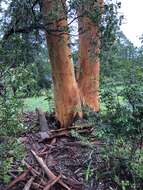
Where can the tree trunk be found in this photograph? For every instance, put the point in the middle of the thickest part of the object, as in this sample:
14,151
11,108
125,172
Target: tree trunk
66,93
89,50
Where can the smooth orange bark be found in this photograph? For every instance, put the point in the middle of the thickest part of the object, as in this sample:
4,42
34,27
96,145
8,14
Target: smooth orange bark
89,50
66,93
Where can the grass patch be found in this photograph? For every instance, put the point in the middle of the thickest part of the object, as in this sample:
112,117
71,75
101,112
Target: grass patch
30,104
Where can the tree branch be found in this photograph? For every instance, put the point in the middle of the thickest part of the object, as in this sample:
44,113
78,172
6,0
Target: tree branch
26,29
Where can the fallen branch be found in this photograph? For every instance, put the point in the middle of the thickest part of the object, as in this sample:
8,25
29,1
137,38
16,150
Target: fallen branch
49,173
43,165
37,186
67,131
28,184
76,127
52,183
54,136
60,134
18,179
32,170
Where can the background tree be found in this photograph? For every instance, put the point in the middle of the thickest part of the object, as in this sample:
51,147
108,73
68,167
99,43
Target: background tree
89,22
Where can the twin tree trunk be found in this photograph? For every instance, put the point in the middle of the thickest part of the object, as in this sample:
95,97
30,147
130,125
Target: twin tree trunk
89,50
67,93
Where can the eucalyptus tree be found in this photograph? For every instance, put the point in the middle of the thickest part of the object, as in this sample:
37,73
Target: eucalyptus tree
34,19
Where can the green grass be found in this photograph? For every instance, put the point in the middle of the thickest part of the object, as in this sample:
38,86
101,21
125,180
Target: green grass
30,104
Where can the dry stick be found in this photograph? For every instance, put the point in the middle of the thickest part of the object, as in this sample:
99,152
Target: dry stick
32,170
37,186
48,171
76,127
65,132
53,182
61,133
14,176
28,184
18,179
43,165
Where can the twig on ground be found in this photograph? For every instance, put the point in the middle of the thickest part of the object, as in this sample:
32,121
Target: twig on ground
76,127
43,165
48,171
28,184
66,131
19,178
11,174
32,170
37,186
52,183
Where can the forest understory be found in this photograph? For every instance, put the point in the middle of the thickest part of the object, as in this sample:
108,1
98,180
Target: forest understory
71,97
62,159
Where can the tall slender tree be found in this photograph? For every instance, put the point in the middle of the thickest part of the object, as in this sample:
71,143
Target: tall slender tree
89,39
66,93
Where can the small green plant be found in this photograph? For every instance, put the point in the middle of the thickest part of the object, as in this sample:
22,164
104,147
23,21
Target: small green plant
88,172
123,112
12,152
121,165
10,116
120,126
137,163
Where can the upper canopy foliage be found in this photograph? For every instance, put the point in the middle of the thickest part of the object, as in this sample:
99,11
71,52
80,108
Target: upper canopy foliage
26,17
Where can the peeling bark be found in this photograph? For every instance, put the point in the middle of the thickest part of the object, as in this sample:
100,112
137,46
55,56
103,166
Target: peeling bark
89,50
66,93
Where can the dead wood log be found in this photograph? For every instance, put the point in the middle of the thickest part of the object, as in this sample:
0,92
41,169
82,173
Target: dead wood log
49,173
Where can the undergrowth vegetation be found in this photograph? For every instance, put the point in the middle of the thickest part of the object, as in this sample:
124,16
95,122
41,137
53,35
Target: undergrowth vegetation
12,151
120,126
26,84
11,127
